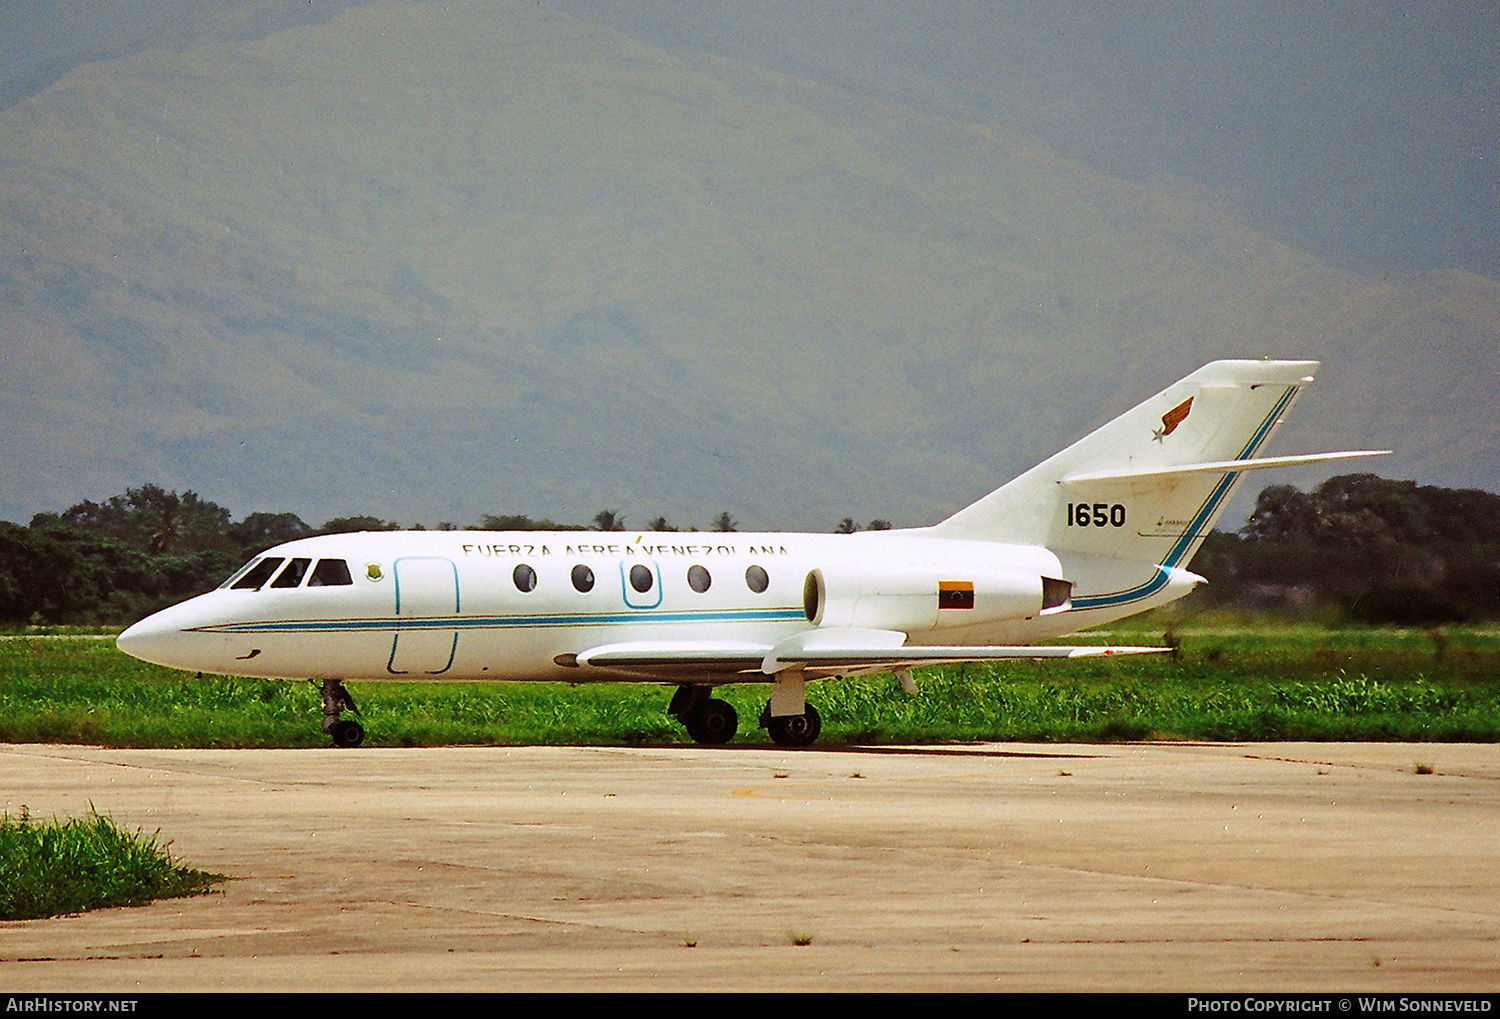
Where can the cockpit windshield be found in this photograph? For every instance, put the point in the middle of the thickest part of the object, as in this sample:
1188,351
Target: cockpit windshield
292,575
254,574
254,578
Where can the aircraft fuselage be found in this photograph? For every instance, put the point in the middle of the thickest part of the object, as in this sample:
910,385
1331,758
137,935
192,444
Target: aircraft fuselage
519,605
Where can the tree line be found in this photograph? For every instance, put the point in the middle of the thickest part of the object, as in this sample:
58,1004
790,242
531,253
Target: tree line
113,562
1379,550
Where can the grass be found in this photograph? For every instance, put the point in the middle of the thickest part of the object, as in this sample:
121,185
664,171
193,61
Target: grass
1227,681
60,867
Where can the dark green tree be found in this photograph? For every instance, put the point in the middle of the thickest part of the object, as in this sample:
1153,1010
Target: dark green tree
151,519
609,520
518,522
260,531
1386,550
351,525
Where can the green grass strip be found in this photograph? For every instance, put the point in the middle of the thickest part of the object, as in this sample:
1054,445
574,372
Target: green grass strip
1226,682
61,867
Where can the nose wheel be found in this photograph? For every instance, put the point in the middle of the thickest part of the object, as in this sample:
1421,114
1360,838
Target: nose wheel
345,731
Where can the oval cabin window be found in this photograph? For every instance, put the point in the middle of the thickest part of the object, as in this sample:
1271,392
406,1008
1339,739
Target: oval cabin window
756,579
583,578
641,578
525,578
698,579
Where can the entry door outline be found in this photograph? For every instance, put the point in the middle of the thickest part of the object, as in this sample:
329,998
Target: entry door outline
429,648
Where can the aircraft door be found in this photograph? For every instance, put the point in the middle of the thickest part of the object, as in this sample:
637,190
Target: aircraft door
427,606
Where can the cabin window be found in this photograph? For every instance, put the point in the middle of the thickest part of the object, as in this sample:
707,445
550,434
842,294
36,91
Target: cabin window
583,578
698,579
293,574
756,579
330,573
258,573
641,578
525,578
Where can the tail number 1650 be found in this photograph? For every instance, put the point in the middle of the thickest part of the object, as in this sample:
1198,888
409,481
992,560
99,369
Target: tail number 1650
1098,514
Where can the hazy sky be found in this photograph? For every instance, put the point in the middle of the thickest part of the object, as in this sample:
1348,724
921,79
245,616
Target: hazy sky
1364,132
1368,132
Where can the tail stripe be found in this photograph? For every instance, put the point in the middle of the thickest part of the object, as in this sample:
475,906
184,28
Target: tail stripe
1206,513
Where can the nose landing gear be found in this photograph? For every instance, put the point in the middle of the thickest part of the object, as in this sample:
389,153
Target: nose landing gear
345,732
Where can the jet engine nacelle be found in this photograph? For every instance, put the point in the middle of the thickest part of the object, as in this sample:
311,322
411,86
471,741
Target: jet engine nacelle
913,598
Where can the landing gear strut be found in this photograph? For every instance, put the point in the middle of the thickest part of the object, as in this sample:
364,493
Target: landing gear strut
345,732
709,720
791,721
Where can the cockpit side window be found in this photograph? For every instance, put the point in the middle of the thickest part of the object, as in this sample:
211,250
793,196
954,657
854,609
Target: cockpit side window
331,573
259,572
292,575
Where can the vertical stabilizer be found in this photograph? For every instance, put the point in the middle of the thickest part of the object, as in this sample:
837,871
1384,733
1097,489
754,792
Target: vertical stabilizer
1147,486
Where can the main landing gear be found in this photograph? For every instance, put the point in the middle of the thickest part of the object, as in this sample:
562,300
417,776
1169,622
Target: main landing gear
709,720
793,730
712,721
345,732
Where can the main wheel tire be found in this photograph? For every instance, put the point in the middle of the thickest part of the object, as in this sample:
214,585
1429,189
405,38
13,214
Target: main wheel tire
796,730
713,725
348,734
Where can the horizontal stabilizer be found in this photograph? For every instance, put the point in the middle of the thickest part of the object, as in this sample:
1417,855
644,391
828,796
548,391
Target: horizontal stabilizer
1216,466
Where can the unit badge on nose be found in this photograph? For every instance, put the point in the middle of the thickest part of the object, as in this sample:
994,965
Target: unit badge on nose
372,570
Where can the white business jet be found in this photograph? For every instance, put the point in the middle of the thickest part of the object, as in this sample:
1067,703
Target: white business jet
1101,530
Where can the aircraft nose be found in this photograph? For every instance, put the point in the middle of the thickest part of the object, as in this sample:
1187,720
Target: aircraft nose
178,637
150,640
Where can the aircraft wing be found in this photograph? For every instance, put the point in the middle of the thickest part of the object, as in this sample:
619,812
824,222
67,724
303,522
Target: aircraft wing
850,661
666,659
823,652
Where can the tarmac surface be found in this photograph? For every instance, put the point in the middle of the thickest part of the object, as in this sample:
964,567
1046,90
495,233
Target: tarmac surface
1139,867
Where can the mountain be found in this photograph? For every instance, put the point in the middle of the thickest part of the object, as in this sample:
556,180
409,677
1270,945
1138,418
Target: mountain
429,261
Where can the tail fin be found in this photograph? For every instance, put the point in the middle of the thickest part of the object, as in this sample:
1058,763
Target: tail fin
1148,486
